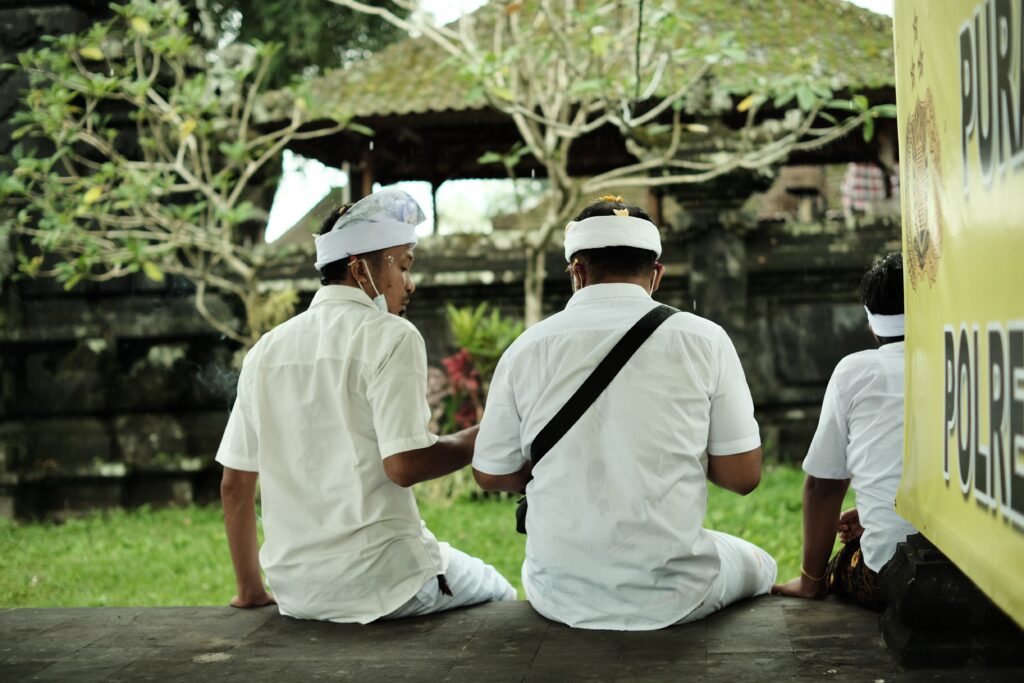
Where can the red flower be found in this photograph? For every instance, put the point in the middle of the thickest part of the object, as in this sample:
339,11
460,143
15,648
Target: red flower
462,375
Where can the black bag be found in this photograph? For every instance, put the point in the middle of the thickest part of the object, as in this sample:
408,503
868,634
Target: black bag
588,392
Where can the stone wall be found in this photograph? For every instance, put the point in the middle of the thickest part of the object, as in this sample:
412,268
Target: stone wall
117,394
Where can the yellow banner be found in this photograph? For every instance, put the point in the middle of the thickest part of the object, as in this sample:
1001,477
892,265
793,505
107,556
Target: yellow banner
959,68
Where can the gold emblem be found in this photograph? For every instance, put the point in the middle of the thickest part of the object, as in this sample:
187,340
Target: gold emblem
923,191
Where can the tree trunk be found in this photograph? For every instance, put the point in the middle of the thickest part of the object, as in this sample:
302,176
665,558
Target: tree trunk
533,285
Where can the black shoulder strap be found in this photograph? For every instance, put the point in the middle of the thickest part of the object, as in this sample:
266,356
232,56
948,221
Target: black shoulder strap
599,379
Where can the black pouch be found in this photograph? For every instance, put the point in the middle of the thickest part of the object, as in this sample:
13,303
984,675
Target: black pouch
521,515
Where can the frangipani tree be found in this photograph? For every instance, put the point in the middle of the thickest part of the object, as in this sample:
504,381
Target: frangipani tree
138,152
561,70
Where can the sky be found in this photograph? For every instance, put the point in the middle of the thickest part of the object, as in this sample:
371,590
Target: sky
305,182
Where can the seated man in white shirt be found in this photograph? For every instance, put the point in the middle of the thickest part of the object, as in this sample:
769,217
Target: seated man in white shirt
331,416
859,441
616,505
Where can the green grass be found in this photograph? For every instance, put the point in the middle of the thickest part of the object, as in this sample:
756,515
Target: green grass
142,557
179,556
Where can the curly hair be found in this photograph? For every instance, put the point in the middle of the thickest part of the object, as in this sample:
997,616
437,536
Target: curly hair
881,288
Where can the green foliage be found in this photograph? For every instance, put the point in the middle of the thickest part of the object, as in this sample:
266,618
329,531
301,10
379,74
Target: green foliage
139,153
342,35
275,307
180,556
484,333
509,160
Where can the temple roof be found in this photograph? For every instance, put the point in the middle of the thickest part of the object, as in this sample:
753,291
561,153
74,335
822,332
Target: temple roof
845,46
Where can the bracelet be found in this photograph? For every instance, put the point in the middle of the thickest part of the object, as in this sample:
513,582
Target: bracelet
816,579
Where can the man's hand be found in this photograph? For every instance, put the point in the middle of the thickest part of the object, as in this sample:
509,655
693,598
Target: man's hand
849,528
449,454
260,599
801,587
238,495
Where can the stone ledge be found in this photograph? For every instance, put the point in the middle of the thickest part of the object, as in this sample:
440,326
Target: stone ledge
757,640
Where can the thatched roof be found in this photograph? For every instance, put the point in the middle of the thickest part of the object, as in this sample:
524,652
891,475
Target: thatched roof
843,45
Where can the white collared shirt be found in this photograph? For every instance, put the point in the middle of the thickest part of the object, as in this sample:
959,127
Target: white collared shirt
322,399
860,437
616,506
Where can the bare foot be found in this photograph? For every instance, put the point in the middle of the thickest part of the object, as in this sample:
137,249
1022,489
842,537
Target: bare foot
801,587
248,602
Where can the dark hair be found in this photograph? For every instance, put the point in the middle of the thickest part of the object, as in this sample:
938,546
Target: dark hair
614,261
881,288
337,271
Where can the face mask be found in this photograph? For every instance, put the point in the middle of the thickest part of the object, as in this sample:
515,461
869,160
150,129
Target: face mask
379,301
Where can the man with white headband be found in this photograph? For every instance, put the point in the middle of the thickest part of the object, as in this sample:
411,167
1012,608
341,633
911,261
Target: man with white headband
617,502
859,442
331,417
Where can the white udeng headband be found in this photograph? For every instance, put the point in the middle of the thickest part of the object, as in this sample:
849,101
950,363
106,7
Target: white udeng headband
886,325
362,238
598,232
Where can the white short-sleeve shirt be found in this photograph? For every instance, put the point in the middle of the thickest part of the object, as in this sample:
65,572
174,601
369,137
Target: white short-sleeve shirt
616,506
860,438
322,399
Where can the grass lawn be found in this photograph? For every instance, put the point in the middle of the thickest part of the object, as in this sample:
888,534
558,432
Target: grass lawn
179,556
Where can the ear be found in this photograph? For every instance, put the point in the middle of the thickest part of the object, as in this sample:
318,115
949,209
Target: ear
357,269
659,272
580,271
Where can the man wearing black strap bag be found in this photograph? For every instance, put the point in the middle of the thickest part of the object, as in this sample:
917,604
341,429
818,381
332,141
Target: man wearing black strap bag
614,425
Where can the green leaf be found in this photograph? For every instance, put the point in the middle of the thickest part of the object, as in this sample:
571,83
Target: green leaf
31,266
845,105
359,128
141,26
21,132
805,97
860,102
92,52
233,150
869,129
152,271
503,93
885,111
70,283
782,99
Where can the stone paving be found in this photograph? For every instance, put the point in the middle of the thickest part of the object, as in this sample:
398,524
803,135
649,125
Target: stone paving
767,638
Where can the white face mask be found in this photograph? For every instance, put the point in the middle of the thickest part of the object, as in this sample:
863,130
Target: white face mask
378,299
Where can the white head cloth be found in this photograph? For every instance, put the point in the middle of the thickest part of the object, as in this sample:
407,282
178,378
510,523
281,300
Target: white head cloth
384,219
598,232
886,325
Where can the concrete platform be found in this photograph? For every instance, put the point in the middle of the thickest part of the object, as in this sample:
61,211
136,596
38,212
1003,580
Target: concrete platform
765,639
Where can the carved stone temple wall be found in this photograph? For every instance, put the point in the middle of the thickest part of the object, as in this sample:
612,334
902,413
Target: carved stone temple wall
117,393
